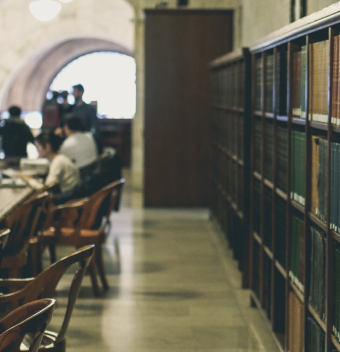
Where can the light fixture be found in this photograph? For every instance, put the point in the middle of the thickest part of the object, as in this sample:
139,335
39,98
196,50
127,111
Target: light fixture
65,1
45,10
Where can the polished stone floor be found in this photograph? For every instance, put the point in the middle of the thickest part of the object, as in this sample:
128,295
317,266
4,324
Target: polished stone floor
173,287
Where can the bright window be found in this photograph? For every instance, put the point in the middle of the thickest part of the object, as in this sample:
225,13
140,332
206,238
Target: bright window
108,78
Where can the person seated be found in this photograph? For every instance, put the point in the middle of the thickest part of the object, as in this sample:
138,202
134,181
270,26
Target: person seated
79,146
15,134
62,169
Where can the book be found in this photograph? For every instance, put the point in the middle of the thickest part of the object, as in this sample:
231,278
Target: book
258,146
314,176
267,285
295,323
281,163
318,81
296,83
258,84
269,151
335,108
281,83
280,230
256,205
269,82
298,167
268,206
303,81
323,179
315,336
317,289
297,253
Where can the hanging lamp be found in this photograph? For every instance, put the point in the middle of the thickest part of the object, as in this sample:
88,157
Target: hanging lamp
45,10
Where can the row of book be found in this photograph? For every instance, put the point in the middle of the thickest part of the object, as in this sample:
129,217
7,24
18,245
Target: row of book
227,89
281,83
229,175
298,160
269,153
220,169
297,253
319,177
227,130
317,289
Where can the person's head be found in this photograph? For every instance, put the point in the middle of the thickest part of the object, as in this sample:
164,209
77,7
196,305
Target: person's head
78,91
64,94
14,111
55,95
72,124
48,144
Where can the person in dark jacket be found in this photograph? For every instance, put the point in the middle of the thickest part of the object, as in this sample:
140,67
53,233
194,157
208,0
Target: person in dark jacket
15,134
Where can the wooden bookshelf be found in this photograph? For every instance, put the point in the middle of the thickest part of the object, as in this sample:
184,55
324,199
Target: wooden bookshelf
230,152
294,261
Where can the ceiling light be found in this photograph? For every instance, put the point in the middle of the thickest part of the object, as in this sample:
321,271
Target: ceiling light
65,1
45,10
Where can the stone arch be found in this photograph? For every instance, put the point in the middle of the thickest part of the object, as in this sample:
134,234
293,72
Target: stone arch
30,83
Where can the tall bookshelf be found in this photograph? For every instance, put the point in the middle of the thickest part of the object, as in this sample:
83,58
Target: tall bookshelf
295,182
230,152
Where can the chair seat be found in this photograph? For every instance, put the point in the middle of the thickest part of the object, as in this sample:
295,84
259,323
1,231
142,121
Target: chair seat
66,236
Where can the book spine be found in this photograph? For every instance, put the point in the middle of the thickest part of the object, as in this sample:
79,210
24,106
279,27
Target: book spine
303,80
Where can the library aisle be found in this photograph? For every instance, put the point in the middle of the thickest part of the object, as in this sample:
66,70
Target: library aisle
173,287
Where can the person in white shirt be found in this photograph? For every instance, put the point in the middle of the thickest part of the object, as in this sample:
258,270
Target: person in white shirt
79,146
62,169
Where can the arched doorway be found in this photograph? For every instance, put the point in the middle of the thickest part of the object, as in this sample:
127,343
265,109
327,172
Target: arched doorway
109,79
29,84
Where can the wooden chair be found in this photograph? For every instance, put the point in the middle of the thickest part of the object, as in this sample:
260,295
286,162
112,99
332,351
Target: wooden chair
44,285
31,318
3,240
22,223
72,224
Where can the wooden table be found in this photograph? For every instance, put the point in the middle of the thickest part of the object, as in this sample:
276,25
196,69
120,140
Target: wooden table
12,197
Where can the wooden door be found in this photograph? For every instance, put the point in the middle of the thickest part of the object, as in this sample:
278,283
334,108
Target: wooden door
179,44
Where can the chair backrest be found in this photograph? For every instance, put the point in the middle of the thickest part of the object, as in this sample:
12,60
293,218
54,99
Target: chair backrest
4,234
44,285
31,318
115,195
113,191
23,221
94,205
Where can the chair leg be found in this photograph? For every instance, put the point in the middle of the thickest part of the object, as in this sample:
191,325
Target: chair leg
100,265
93,274
53,253
35,259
